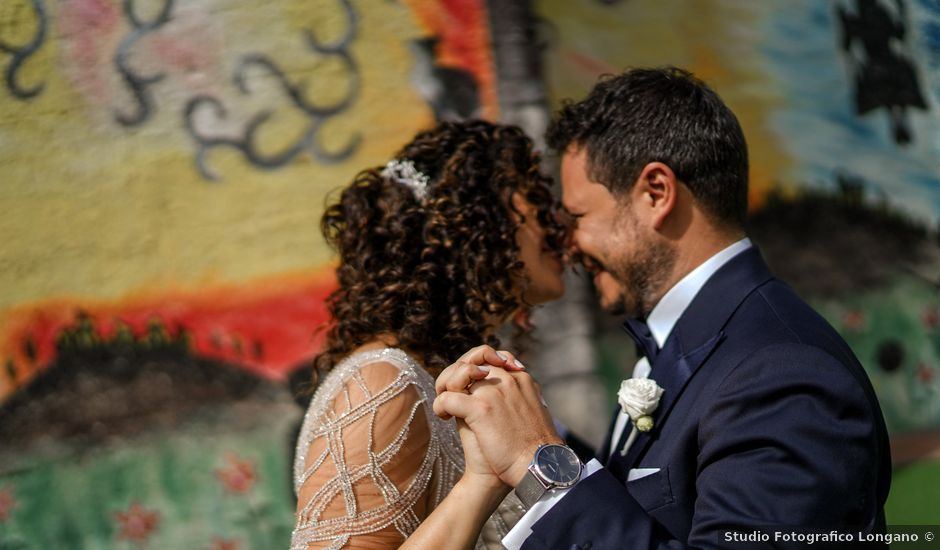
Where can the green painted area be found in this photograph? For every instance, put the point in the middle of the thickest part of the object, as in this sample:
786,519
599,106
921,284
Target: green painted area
915,494
902,315
71,500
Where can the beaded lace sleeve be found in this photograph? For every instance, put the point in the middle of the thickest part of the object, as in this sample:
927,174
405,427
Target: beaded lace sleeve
366,457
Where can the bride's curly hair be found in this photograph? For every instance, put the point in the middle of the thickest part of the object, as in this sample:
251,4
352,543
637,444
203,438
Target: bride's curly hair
436,273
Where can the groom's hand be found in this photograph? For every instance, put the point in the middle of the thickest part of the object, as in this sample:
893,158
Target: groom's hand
505,410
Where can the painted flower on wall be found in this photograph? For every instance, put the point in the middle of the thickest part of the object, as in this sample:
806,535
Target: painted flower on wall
925,374
219,543
136,524
853,320
7,503
238,476
930,317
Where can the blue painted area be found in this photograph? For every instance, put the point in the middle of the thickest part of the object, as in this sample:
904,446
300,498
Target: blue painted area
930,4
931,32
817,122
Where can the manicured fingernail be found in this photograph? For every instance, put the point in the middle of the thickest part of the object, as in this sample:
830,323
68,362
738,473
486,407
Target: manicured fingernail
518,365
502,356
484,369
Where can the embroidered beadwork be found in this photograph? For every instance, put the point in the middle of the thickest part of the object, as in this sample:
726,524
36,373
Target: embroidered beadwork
440,468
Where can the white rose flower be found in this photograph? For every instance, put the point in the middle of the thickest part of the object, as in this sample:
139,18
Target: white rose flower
639,397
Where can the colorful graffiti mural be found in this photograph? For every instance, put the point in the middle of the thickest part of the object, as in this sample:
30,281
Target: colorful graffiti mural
140,111
163,167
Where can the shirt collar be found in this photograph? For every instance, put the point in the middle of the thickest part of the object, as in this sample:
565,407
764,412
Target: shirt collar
677,299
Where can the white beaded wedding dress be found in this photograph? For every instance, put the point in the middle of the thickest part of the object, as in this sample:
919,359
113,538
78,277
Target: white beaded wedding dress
373,460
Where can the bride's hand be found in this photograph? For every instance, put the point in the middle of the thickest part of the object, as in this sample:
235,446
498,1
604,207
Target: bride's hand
478,471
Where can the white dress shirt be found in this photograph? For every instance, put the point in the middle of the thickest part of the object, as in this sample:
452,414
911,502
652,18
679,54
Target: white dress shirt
660,321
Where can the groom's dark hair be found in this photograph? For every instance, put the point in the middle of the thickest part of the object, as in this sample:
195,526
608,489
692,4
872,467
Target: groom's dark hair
659,115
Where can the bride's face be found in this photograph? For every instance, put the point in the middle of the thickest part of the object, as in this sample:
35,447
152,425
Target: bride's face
543,266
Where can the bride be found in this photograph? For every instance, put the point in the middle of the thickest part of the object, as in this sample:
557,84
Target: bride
452,238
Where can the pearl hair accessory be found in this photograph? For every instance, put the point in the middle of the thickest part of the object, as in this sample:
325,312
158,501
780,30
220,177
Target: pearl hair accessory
405,173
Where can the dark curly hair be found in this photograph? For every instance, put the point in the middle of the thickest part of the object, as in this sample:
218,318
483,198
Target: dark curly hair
666,115
436,273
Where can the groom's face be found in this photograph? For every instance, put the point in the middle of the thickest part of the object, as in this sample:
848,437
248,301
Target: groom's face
627,260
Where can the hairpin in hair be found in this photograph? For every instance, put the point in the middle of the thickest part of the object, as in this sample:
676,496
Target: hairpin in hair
405,173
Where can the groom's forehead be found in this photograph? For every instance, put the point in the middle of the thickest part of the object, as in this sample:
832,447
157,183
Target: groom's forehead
574,177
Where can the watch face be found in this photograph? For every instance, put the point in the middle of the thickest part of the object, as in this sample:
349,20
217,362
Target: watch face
558,464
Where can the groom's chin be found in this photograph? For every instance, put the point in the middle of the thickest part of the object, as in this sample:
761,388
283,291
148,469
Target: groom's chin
615,306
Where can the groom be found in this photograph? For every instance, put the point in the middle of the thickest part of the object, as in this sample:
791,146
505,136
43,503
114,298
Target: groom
757,414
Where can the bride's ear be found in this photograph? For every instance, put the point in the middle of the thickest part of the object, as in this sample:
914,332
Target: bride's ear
520,206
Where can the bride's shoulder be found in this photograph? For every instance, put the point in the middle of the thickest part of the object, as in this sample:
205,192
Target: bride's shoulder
373,400
374,371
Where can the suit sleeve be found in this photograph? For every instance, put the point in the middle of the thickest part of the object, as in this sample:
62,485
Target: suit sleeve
785,439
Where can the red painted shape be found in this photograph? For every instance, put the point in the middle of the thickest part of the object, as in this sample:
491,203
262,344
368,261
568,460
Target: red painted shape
268,327
137,523
463,29
238,476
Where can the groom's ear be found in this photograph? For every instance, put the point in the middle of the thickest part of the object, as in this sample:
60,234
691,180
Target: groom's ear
657,189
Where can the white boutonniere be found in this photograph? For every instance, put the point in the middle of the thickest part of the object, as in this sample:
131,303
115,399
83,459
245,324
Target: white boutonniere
638,398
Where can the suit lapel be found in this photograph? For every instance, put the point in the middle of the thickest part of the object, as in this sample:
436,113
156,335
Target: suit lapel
672,374
695,336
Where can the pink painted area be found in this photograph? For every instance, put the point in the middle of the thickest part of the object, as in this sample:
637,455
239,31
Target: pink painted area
588,64
187,57
90,32
188,50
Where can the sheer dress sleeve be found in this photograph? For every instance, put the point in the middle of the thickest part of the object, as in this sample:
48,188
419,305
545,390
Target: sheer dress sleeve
366,458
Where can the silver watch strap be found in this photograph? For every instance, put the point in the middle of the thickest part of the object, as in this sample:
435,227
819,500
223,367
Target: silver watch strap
530,490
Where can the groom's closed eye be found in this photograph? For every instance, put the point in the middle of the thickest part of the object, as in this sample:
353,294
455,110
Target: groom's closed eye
567,218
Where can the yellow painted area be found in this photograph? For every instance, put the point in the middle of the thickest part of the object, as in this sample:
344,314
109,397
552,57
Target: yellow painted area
715,39
93,209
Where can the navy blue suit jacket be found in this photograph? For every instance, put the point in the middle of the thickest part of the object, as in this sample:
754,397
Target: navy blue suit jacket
767,420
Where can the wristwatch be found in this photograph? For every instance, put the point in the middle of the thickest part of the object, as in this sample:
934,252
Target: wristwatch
553,467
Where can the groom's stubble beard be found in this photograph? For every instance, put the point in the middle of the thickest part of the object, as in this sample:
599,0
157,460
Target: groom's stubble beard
643,275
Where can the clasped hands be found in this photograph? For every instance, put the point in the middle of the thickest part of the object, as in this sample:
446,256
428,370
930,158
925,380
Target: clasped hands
500,413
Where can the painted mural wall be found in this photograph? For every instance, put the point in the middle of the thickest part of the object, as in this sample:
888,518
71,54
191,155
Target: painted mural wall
163,168
162,152
840,102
